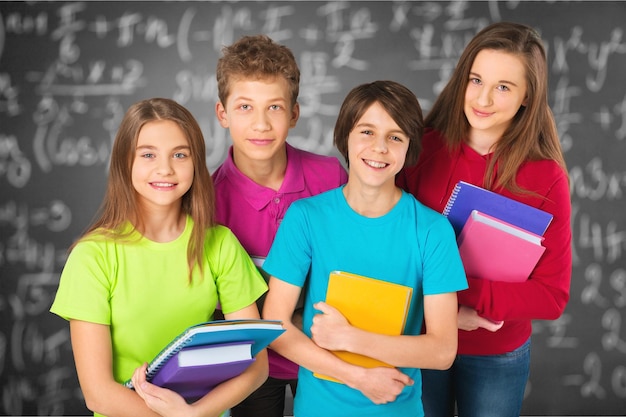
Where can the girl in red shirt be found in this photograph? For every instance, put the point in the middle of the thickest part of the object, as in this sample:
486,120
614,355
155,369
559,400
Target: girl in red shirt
492,126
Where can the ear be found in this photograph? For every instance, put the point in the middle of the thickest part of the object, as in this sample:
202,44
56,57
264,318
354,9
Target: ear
525,102
220,112
295,115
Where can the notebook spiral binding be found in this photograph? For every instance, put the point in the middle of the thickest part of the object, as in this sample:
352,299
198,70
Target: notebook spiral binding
450,202
170,351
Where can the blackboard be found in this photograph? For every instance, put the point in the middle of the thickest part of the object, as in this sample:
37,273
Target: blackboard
68,71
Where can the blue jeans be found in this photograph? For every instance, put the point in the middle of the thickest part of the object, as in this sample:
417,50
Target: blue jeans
480,386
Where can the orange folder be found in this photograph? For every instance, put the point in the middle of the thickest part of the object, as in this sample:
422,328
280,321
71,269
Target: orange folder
370,304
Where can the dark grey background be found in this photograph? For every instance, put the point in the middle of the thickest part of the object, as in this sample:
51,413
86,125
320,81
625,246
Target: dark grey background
68,71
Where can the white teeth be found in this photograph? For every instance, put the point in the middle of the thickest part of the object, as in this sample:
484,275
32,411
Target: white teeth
162,184
375,164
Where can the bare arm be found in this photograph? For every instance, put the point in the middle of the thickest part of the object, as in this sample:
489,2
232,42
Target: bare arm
435,349
91,345
380,385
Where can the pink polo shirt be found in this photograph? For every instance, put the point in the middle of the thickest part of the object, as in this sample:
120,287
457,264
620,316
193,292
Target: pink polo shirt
254,212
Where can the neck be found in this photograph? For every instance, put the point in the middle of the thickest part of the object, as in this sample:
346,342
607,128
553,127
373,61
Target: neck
268,173
482,144
372,202
162,226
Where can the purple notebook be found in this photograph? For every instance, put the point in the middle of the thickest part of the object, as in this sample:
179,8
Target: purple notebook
467,197
251,335
194,381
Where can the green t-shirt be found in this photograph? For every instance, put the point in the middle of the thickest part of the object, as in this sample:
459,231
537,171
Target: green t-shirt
141,290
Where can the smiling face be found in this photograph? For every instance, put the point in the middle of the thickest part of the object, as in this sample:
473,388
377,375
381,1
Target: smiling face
258,114
495,92
377,149
162,170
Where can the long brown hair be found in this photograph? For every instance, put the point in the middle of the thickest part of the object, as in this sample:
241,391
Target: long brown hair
120,203
532,134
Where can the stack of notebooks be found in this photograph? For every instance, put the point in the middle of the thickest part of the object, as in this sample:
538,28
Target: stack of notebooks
500,239
208,354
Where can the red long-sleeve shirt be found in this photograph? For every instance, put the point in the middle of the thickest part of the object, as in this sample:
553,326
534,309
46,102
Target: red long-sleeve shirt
545,294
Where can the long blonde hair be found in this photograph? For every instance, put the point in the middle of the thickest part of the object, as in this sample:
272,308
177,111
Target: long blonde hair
120,203
532,134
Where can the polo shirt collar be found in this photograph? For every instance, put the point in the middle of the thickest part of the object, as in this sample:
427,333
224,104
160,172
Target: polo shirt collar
259,196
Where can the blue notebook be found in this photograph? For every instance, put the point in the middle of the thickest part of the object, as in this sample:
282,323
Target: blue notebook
467,197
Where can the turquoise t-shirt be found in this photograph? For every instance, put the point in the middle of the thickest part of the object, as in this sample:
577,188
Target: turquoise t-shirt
141,290
411,245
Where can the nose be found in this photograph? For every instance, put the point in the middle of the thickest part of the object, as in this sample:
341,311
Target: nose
261,122
164,166
380,144
484,97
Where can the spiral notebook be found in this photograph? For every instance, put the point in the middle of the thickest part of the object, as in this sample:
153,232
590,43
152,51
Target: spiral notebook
256,333
467,197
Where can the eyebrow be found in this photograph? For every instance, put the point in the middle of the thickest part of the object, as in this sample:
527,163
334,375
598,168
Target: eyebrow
499,81
372,126
177,148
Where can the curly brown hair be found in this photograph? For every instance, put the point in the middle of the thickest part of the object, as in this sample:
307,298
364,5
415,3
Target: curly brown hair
256,57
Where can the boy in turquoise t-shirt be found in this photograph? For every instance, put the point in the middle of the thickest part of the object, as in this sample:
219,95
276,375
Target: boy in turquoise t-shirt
372,228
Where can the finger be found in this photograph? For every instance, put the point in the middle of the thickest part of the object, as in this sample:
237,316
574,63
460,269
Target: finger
491,325
322,306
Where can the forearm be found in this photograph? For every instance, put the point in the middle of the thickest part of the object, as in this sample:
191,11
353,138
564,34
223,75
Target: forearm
299,348
127,402
423,351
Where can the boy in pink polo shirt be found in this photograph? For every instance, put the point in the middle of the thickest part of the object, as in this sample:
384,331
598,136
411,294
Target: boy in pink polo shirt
258,85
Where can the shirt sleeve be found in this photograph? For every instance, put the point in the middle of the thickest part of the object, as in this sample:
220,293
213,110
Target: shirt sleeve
84,288
443,268
238,280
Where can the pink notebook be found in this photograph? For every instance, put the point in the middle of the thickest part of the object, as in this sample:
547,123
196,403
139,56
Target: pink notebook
495,250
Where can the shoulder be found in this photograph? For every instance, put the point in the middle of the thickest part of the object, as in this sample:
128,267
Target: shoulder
544,177
218,234
424,214
434,148
432,139
225,169
311,159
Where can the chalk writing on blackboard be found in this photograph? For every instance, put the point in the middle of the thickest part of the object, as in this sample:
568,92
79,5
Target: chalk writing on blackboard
69,71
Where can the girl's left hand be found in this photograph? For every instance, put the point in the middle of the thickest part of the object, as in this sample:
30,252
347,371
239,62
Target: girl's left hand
468,319
330,328
160,400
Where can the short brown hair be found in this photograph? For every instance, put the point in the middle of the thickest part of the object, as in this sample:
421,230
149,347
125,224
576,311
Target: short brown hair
396,99
256,57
